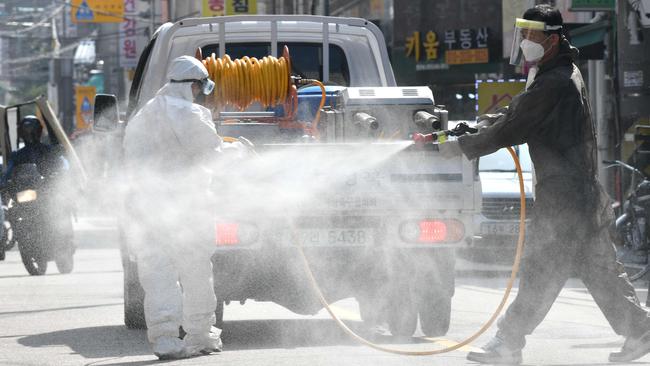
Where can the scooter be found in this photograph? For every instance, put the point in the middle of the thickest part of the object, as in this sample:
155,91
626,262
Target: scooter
40,221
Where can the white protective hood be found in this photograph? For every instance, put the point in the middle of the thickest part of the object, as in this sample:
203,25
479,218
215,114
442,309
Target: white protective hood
172,141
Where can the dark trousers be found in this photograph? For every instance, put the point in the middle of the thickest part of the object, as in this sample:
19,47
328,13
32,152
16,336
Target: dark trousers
561,244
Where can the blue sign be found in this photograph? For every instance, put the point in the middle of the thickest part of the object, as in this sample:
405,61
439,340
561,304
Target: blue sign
84,12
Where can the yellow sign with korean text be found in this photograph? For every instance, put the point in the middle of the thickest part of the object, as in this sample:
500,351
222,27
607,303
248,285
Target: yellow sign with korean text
493,95
240,7
213,8
97,11
84,100
471,56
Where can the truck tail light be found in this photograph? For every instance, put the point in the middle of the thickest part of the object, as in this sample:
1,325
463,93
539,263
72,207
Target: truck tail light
228,233
432,231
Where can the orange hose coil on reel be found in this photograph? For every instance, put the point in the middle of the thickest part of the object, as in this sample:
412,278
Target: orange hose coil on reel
242,82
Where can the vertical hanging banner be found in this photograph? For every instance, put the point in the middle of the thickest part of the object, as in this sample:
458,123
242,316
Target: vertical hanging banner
84,98
213,8
132,39
128,43
97,11
241,7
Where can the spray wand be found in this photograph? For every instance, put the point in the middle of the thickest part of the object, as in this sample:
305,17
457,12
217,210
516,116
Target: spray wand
442,136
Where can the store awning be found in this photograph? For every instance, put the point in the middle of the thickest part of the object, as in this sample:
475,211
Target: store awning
85,53
589,34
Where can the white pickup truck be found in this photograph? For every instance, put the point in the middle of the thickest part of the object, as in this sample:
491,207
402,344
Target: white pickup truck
385,236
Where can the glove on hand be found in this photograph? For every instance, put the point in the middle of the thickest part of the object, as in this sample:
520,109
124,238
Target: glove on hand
488,119
239,149
450,149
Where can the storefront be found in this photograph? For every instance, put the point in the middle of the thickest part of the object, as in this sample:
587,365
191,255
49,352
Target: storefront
448,53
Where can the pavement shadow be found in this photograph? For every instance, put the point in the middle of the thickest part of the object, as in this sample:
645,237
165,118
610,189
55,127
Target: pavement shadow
94,342
296,333
116,341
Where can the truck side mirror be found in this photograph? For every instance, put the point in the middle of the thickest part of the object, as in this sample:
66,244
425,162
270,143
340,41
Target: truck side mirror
106,115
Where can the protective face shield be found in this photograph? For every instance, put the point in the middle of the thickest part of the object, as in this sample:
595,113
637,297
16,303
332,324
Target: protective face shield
528,39
207,85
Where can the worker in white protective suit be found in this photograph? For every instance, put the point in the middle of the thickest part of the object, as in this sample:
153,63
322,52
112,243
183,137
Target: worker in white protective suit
169,147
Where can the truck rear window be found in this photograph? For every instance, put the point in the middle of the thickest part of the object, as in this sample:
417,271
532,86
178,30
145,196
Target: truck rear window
306,58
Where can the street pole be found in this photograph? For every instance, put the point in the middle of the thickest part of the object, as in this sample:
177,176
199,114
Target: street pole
153,18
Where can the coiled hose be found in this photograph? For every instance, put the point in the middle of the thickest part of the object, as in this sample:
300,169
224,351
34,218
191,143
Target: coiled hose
241,82
513,276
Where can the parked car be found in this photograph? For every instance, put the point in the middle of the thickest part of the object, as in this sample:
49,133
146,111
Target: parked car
497,225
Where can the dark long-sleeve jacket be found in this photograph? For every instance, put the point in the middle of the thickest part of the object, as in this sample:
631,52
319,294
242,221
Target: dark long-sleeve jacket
554,117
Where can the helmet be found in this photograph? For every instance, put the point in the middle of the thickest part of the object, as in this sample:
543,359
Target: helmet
30,129
185,69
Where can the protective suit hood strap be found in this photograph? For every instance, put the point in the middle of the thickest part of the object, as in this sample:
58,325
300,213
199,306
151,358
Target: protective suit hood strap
184,81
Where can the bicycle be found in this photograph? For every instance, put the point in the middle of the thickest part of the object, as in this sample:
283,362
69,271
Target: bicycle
632,223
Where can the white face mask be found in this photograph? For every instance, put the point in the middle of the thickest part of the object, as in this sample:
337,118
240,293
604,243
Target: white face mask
532,51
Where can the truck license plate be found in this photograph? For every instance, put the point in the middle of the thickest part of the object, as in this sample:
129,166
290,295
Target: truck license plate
500,228
335,237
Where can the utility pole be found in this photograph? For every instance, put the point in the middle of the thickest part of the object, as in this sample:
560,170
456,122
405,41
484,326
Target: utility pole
152,9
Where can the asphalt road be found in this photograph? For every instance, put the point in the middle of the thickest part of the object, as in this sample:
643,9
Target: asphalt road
76,319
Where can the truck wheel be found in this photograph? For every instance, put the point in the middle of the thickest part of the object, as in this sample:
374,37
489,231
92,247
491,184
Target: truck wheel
133,298
34,266
402,312
435,314
65,260
435,288
219,314
64,263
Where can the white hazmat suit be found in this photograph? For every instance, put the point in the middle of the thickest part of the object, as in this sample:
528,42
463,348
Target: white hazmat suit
168,145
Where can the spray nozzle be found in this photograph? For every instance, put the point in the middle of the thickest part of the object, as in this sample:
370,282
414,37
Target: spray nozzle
460,129
420,140
366,121
425,119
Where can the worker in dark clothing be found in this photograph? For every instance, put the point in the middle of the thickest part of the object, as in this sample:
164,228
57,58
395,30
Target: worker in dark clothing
570,224
47,161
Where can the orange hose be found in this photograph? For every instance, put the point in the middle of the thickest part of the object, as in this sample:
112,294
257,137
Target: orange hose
241,82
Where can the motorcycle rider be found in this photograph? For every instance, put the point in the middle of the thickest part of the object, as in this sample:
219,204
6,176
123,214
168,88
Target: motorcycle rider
49,164
47,161
169,146
569,228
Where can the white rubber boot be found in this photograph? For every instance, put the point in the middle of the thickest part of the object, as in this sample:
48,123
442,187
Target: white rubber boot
204,343
170,348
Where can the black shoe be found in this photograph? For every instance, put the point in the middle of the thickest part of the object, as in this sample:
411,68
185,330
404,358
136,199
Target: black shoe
498,353
633,348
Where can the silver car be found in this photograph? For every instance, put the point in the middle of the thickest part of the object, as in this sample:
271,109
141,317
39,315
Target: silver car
497,226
